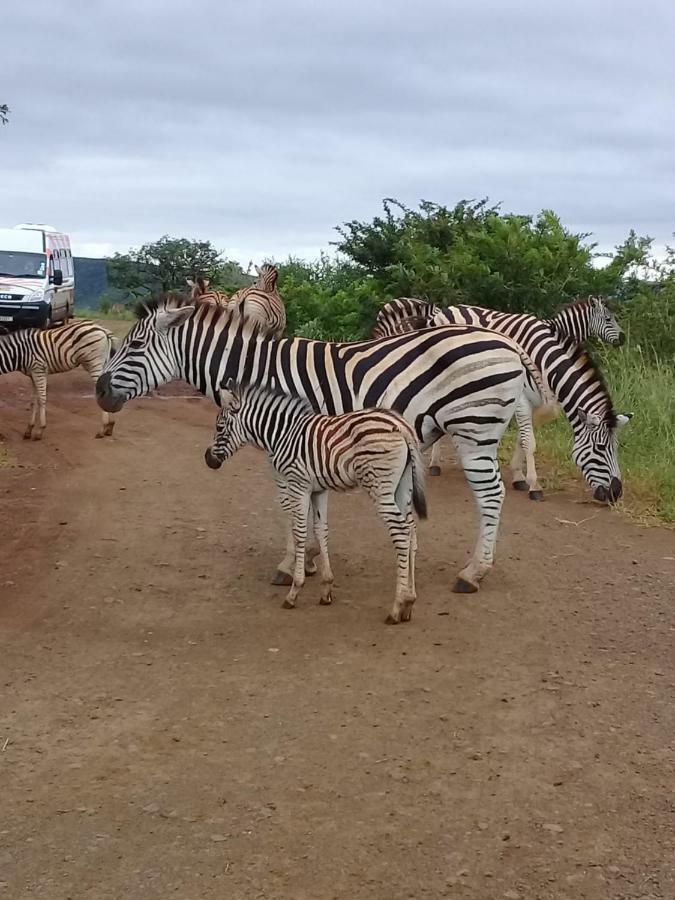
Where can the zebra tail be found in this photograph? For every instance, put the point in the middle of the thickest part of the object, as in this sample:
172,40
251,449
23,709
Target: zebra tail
549,407
417,464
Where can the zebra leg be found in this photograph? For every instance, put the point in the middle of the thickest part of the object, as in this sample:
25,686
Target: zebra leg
435,461
482,473
284,574
299,520
403,497
108,420
401,536
33,410
320,510
39,406
527,444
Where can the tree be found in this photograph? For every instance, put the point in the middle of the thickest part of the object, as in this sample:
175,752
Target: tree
4,113
164,265
477,254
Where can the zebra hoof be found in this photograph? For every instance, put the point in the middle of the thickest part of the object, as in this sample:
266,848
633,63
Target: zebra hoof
99,434
282,578
288,604
434,470
536,495
462,586
108,429
519,485
391,620
27,435
326,601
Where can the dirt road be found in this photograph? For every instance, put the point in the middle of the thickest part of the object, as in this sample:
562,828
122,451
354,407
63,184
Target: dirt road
167,730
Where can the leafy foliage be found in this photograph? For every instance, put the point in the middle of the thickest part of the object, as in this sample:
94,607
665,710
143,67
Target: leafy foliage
4,113
166,265
474,253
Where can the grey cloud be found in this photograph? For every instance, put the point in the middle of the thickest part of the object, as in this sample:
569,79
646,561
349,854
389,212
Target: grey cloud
262,125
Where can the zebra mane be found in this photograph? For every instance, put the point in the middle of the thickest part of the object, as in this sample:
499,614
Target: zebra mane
581,354
580,302
169,300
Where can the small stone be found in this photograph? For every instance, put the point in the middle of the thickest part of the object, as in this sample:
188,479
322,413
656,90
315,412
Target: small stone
151,808
553,828
218,838
482,826
512,895
613,869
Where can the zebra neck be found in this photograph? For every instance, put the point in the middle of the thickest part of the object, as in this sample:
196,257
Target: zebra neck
568,325
275,420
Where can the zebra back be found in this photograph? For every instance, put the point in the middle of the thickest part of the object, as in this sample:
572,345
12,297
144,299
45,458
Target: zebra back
200,292
403,315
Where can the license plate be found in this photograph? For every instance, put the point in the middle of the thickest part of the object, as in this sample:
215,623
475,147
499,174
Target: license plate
6,318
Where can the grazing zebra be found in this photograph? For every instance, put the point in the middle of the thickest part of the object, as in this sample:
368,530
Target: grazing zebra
260,303
374,449
200,293
39,353
551,344
459,381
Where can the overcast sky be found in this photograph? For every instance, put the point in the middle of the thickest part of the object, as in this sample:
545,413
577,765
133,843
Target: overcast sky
262,125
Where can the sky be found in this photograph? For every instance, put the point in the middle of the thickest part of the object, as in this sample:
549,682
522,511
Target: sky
262,125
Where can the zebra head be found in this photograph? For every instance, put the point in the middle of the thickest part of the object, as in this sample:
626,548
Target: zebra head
146,357
596,452
230,434
602,322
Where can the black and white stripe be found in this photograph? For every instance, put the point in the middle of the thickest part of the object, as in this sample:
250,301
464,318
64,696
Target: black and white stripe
464,382
569,375
261,304
39,353
373,449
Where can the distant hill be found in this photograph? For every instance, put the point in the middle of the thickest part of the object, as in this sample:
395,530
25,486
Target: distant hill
91,281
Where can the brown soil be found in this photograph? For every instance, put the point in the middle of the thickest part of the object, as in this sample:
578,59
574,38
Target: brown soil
167,730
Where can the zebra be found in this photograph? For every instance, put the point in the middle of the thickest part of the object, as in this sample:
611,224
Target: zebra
551,343
460,381
375,449
200,293
590,317
38,353
261,303
402,315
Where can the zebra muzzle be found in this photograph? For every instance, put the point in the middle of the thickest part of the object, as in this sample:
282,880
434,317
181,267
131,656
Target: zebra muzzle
106,398
212,461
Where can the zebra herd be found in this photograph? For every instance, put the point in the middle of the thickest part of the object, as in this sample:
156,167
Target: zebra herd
463,371
341,415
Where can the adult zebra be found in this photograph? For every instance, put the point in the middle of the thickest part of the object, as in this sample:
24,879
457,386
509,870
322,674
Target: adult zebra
550,343
260,303
200,292
39,353
461,381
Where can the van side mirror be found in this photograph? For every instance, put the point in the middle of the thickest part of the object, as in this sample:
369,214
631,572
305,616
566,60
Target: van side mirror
57,277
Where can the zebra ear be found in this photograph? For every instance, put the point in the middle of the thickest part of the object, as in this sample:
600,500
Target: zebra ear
590,420
190,283
172,317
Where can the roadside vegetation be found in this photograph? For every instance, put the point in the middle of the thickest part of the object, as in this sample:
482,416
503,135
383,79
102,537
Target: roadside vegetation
472,253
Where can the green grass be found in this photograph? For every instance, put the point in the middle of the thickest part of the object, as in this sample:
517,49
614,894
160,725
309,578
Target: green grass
121,316
646,388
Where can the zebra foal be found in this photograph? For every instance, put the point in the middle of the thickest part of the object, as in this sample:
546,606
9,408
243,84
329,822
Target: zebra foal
200,292
374,449
39,353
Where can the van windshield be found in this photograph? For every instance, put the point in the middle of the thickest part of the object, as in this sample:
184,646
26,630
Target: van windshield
22,265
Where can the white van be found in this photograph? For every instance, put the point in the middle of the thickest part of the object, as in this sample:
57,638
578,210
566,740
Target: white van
37,277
